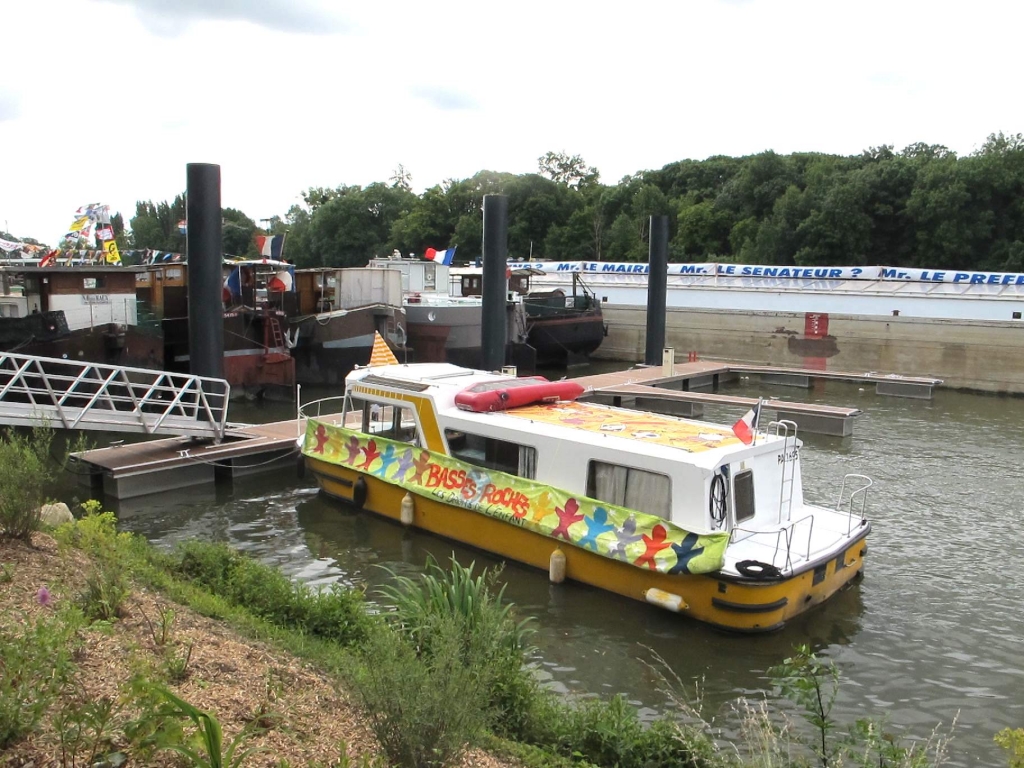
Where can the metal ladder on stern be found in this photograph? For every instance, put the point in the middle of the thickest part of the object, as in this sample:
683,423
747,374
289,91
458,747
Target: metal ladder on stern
787,431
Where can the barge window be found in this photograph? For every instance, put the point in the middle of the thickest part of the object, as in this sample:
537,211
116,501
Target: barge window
491,453
638,489
743,495
394,422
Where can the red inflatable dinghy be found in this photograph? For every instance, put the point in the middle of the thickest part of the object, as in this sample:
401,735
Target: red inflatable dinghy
513,393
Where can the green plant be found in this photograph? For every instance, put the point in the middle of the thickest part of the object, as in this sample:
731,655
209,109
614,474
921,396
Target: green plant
1012,740
35,666
84,729
211,752
423,710
813,685
336,613
6,573
106,590
488,637
176,662
23,484
161,635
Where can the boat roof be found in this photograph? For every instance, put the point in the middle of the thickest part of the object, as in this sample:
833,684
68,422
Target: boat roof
628,430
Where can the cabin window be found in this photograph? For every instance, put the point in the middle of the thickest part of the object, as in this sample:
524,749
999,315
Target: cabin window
92,283
429,277
492,453
743,495
394,422
638,489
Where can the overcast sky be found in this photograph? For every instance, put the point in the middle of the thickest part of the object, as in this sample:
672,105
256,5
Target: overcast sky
108,100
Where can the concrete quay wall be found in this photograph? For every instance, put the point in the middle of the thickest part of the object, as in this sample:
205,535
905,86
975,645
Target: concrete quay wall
966,354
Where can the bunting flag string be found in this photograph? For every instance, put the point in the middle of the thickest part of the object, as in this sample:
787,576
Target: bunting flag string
89,229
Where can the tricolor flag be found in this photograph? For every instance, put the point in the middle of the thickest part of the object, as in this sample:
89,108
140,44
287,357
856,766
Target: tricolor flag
270,245
282,281
183,227
233,286
381,354
442,257
745,428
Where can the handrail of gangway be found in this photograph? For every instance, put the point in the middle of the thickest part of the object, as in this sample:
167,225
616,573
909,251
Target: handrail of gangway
55,392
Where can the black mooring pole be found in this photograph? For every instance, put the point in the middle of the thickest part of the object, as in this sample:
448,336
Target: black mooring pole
205,279
657,286
495,258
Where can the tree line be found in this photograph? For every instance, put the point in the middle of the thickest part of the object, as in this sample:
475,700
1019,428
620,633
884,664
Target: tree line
923,206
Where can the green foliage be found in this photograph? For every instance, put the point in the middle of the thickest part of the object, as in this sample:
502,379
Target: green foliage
27,474
176,661
423,709
85,729
1012,741
336,614
209,750
610,733
489,637
105,593
161,632
813,685
35,666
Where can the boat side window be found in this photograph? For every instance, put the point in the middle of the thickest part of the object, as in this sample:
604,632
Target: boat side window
394,422
649,492
492,453
743,495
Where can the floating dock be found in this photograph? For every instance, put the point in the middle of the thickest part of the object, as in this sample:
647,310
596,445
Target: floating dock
130,470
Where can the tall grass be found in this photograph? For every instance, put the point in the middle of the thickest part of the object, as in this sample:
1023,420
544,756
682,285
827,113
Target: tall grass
490,636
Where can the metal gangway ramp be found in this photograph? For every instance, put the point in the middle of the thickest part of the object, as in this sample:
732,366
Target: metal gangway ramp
52,392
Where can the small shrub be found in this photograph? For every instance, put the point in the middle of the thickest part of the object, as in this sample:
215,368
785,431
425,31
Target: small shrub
1013,742
611,733
176,661
161,632
26,476
489,636
6,573
35,666
422,710
84,729
105,593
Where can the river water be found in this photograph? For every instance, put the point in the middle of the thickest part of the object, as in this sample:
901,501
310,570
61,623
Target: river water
933,634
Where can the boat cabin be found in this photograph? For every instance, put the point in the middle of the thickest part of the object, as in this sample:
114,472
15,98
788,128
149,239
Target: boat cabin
699,476
417,275
89,296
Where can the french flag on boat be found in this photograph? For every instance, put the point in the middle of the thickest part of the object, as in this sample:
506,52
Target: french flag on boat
270,245
746,427
442,257
282,281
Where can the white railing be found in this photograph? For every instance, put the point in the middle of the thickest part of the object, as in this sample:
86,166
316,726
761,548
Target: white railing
51,392
858,497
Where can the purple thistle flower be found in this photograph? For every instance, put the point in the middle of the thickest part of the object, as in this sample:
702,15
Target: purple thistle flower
43,597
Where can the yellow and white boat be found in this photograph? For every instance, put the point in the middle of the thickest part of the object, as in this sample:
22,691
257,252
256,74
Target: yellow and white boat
678,513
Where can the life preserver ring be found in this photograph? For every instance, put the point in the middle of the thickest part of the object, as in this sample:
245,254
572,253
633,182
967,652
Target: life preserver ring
755,569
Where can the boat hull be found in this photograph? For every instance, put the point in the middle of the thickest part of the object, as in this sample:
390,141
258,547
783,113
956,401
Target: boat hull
732,603
558,339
